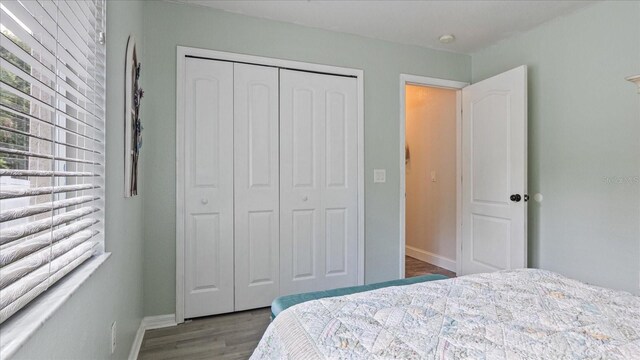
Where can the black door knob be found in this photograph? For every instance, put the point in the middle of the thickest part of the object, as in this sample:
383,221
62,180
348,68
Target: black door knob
515,197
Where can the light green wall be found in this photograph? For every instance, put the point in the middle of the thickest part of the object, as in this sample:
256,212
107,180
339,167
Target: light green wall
168,25
584,121
81,328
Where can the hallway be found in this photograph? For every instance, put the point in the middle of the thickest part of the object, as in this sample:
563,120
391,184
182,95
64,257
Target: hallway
414,267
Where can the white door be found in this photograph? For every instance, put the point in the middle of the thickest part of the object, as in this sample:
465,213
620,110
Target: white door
318,182
257,186
208,192
494,160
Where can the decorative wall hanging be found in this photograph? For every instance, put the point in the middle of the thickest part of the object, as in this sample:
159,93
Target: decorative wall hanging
636,80
132,123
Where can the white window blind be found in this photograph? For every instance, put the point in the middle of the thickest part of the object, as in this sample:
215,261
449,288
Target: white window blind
52,99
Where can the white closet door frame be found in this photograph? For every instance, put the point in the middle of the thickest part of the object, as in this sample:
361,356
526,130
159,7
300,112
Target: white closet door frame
182,53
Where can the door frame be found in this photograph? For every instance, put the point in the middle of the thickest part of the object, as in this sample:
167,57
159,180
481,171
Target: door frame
181,53
407,79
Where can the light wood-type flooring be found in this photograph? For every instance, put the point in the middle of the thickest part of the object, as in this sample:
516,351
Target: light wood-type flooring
414,267
229,336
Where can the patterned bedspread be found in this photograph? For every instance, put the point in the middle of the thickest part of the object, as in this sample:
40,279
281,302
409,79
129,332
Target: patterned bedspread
521,314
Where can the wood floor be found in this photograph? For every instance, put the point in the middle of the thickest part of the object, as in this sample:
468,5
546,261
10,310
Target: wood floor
414,267
230,336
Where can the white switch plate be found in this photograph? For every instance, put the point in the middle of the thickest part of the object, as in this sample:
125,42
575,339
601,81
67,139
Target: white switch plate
379,175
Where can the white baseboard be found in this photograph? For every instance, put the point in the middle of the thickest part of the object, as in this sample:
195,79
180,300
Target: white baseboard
159,321
431,258
137,343
148,323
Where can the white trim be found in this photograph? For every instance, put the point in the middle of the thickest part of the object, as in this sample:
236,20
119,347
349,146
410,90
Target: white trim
159,321
433,82
19,328
181,53
260,60
459,183
180,169
149,323
361,194
432,258
137,342
440,83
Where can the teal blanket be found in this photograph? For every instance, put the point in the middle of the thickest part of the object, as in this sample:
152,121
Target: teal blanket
284,302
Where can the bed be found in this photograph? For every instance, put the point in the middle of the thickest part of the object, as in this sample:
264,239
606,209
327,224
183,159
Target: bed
518,314
284,302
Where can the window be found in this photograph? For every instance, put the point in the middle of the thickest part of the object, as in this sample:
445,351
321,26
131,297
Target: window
52,87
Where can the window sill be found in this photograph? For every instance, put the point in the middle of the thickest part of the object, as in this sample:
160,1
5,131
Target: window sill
15,332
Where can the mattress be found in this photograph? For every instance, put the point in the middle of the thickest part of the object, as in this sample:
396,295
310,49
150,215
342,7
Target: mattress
520,314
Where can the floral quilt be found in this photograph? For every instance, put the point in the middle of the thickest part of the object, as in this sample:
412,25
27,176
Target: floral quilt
518,314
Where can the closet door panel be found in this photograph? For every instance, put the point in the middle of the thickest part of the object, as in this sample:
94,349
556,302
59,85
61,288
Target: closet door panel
318,181
336,241
302,136
256,178
337,153
340,193
208,269
304,246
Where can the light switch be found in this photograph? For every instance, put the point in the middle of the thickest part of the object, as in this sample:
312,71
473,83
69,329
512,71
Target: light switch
433,176
379,175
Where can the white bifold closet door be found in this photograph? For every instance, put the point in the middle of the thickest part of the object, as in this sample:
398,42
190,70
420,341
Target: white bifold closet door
318,181
256,186
208,192
270,184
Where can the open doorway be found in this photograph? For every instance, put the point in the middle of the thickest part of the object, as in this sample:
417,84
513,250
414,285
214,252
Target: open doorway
430,180
430,168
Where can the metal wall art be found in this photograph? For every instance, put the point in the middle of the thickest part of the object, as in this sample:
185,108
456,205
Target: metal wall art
132,125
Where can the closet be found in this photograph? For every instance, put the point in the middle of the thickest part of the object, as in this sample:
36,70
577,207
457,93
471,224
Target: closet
269,184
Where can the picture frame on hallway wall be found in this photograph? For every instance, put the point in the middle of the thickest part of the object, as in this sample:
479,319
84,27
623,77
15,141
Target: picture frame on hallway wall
132,121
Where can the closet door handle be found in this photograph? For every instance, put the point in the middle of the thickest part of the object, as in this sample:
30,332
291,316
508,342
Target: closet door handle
305,198
204,201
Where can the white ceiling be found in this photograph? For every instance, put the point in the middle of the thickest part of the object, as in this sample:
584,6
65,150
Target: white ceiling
476,24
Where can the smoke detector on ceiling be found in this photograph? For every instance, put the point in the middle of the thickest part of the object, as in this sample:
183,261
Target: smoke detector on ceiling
447,38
